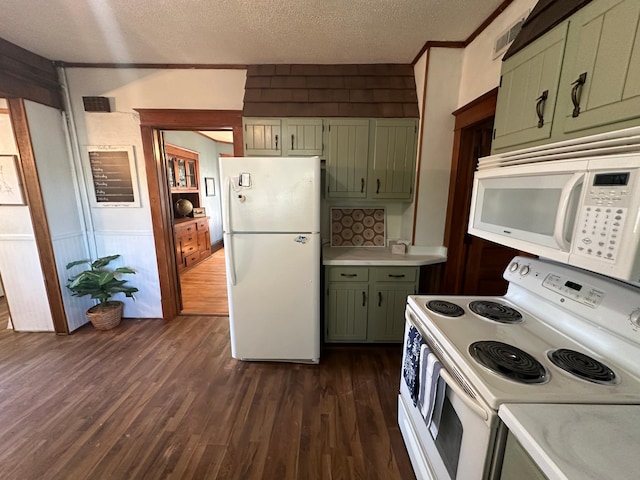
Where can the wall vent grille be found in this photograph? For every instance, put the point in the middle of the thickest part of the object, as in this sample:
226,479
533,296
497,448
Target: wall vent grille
509,35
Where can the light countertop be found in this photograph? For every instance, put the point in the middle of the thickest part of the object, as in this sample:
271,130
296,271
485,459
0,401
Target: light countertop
578,441
372,256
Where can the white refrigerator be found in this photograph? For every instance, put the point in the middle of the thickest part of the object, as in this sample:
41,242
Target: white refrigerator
271,231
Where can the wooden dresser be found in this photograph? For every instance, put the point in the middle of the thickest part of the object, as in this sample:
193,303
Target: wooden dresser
193,243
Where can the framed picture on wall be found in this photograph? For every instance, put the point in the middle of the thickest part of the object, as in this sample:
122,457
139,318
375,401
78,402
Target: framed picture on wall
113,181
210,186
10,181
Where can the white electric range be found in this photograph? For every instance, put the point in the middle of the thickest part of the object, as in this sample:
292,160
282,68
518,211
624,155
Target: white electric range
559,335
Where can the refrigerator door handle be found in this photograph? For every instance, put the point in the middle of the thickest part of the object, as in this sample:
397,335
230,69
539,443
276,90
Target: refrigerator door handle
231,267
227,206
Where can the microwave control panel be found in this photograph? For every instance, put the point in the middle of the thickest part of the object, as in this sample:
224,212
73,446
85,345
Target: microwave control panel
603,215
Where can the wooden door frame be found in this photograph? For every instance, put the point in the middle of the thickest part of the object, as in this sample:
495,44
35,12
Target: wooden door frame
478,110
35,202
152,122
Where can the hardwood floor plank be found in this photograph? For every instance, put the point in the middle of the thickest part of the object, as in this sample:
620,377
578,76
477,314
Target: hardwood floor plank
158,400
204,287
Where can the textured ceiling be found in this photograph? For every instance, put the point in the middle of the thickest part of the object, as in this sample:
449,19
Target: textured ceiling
237,31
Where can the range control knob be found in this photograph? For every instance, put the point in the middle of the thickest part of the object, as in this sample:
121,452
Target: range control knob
525,270
634,318
514,266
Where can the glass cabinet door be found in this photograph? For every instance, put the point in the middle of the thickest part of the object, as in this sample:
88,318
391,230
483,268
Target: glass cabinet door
192,178
171,171
182,173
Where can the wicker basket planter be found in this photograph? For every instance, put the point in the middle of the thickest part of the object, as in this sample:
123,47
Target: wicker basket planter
106,316
101,283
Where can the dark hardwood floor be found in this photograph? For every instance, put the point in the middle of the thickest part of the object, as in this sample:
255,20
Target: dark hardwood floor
4,313
155,400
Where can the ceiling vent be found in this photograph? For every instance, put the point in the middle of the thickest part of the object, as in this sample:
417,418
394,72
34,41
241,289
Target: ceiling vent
509,35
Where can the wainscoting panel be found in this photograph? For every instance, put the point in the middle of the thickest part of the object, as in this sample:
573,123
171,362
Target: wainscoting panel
138,252
69,248
24,284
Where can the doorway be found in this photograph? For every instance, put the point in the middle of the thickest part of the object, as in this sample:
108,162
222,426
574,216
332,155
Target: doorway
194,188
474,266
152,123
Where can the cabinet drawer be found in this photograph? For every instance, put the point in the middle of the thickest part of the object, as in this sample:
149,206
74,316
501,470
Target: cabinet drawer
395,274
188,238
348,274
189,248
202,225
192,258
187,229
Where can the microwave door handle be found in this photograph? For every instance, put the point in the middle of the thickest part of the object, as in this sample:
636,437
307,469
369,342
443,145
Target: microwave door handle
464,396
559,230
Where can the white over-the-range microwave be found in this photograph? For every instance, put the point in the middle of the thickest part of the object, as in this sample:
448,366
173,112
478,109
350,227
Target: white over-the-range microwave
576,202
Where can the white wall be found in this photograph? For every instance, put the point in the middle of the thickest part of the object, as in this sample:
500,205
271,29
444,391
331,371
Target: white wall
128,231
209,152
444,73
480,71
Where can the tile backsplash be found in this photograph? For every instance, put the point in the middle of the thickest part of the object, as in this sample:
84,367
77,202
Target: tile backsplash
358,227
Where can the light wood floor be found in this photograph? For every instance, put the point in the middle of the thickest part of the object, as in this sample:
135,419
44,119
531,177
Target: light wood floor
204,287
165,400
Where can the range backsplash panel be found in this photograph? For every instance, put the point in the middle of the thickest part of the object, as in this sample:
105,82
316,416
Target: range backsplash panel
358,227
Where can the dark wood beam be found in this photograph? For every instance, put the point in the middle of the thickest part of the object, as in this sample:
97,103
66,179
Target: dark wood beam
24,74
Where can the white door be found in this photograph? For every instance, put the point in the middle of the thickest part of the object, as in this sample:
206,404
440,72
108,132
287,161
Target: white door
274,296
270,194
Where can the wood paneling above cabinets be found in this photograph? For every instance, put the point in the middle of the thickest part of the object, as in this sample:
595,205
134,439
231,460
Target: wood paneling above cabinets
24,74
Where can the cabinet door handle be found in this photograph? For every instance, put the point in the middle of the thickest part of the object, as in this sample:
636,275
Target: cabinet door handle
576,92
377,185
540,103
349,275
362,185
292,141
276,142
364,299
379,299
396,276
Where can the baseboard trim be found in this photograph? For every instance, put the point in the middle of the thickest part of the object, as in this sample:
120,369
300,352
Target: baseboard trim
216,246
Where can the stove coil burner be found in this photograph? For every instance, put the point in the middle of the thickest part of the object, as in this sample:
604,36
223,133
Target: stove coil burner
445,308
495,311
508,361
582,366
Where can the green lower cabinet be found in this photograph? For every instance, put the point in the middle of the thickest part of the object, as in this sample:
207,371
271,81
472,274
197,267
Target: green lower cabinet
386,312
347,312
366,304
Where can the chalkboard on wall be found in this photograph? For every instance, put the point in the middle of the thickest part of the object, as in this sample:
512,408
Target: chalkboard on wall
113,176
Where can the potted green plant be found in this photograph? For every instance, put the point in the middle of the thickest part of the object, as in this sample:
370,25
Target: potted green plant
101,283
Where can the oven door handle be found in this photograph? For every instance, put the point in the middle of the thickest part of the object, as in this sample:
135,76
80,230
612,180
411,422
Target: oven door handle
464,396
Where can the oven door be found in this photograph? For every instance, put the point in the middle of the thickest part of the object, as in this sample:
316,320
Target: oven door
458,439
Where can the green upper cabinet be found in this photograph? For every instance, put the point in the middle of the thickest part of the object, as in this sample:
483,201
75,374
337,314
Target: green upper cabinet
589,66
347,153
303,136
392,169
528,87
262,136
601,74
283,136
